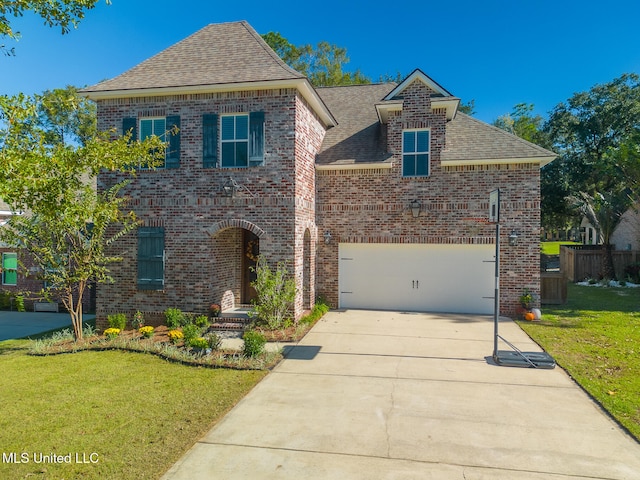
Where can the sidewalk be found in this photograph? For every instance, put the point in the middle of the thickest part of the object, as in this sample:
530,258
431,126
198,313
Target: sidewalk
388,395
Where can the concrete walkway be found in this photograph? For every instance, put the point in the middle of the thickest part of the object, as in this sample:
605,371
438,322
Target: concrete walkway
383,395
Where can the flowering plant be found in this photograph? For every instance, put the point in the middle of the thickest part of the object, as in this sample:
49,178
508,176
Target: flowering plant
214,309
175,336
146,331
138,319
112,332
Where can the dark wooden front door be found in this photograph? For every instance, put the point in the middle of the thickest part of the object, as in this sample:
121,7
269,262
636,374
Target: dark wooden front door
251,250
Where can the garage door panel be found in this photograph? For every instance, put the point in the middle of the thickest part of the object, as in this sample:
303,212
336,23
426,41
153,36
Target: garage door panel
417,277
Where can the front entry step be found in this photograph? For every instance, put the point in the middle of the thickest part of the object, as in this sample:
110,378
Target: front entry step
233,319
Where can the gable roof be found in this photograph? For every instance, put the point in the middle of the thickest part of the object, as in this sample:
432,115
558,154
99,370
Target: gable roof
219,57
359,139
393,100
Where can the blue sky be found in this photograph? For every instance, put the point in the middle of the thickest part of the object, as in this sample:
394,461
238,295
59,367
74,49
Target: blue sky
497,52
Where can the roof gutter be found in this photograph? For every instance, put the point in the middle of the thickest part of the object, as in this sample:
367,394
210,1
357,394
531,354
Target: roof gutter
301,84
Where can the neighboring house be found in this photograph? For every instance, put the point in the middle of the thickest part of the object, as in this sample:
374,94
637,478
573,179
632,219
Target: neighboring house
375,196
14,265
626,236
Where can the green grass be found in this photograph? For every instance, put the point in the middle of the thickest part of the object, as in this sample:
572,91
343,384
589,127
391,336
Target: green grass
137,413
595,337
553,248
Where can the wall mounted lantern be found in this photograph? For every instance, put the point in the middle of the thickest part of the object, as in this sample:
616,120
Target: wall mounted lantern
513,238
415,207
327,236
230,187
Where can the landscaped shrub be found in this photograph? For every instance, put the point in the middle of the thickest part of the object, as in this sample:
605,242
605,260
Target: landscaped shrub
190,332
198,342
117,320
253,343
201,321
318,310
214,340
174,317
20,303
632,272
276,292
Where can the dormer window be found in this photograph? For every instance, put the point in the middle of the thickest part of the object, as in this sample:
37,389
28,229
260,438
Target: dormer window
416,153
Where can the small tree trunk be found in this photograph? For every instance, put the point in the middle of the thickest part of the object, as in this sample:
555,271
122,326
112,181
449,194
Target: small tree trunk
75,310
608,270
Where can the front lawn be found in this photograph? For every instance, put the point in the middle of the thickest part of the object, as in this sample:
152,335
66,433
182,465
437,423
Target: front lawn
595,337
106,414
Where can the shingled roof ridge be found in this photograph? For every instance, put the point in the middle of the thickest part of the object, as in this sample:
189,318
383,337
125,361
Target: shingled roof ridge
266,47
542,150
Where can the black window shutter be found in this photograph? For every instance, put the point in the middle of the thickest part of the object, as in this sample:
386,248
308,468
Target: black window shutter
150,258
209,140
130,124
173,137
256,138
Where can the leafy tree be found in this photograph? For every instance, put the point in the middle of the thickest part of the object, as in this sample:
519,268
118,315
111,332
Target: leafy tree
276,293
66,116
469,107
61,13
523,123
322,65
66,226
595,133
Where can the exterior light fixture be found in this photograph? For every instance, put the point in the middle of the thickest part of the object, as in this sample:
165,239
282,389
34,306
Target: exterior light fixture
513,238
327,236
230,187
415,207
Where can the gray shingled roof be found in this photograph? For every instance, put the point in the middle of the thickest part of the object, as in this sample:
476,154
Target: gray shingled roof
223,53
357,138
469,139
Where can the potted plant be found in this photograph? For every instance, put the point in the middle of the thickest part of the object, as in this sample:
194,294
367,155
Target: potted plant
214,310
526,299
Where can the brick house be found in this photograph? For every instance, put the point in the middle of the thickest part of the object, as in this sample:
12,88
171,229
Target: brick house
375,196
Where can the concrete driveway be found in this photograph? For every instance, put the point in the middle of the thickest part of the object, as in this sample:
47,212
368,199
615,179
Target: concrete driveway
23,324
387,395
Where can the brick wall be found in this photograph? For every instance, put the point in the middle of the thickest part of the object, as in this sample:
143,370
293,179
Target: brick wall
372,205
203,227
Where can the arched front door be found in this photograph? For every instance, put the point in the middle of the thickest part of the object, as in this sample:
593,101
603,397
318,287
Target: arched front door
251,250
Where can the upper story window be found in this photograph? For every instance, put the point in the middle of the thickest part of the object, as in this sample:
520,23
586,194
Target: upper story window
165,128
416,153
234,140
240,142
9,268
153,126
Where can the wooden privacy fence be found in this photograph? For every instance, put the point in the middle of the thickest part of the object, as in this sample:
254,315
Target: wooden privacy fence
578,264
553,288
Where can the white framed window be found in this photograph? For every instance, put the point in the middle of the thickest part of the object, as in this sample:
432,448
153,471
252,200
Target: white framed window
153,126
416,152
9,268
234,140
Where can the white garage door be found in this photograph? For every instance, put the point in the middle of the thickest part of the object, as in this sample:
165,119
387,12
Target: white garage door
417,277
